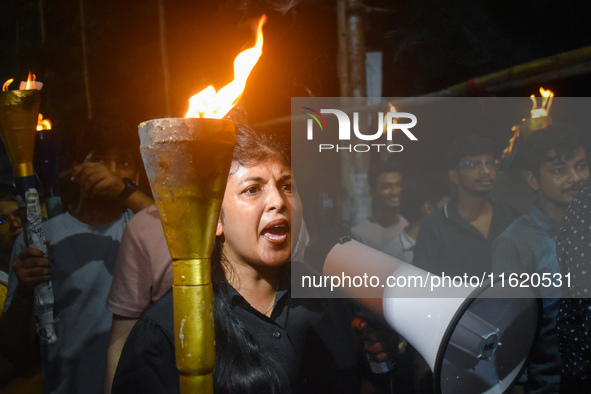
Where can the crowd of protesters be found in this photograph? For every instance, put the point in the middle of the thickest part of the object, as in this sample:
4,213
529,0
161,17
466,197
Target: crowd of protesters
111,270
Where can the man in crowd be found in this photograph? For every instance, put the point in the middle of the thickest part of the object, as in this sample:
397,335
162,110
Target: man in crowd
385,187
10,228
420,197
456,238
82,252
556,166
573,323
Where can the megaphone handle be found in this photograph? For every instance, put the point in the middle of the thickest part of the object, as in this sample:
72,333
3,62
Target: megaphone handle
373,333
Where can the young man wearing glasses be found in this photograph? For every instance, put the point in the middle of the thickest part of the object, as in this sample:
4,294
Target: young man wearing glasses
556,166
455,240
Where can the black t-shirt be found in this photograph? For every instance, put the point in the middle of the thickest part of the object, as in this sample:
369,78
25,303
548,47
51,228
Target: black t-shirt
311,341
450,244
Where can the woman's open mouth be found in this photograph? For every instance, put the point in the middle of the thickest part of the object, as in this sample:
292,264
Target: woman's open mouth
276,232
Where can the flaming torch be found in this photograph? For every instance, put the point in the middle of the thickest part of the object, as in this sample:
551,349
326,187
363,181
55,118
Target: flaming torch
187,161
18,116
19,110
539,119
46,162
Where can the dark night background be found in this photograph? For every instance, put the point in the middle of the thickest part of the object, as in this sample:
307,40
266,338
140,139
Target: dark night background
427,45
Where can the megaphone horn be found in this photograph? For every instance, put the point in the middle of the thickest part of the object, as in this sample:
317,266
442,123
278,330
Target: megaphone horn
475,339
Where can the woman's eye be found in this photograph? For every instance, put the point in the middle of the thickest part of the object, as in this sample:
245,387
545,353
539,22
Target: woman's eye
251,190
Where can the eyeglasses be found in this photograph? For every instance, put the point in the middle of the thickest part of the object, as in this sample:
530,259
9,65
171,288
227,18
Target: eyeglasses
478,165
12,217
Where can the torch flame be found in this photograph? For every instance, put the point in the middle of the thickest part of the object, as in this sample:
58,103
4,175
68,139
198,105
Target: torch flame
392,109
523,130
208,104
43,124
508,152
5,86
30,84
30,79
544,110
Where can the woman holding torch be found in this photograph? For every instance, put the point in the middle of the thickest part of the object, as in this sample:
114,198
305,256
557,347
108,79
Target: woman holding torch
266,341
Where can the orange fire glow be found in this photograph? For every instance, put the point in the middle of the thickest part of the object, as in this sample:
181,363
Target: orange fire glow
30,84
30,80
208,103
392,109
536,112
511,146
5,86
544,110
43,124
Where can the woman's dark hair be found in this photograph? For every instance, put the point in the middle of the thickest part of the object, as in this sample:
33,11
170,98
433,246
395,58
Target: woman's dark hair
253,147
241,365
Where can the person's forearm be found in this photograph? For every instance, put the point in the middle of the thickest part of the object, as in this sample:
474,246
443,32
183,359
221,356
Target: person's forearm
138,201
119,332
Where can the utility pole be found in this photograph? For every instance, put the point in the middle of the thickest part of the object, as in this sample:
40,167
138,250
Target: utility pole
352,79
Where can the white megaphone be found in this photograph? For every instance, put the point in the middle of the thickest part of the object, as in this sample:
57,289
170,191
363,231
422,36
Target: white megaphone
475,340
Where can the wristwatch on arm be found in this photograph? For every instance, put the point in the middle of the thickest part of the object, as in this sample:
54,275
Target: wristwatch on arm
130,188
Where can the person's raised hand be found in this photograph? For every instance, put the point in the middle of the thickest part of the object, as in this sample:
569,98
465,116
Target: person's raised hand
96,180
31,268
382,346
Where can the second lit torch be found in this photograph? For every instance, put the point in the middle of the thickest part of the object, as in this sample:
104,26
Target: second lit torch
19,110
